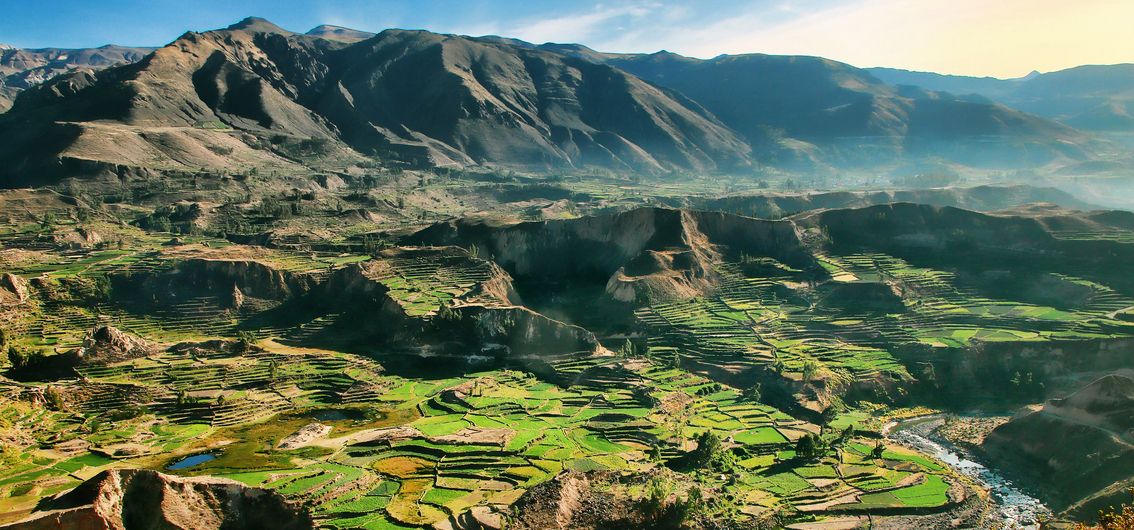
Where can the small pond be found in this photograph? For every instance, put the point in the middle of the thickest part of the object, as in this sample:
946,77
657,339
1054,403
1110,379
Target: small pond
192,460
338,414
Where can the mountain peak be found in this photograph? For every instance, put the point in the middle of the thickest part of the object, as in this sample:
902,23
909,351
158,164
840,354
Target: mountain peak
258,25
339,33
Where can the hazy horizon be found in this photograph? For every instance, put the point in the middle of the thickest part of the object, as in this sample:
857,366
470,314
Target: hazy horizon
1008,39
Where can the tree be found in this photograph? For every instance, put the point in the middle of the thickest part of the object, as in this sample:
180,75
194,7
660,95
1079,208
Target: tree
247,340
810,447
447,314
846,435
753,393
48,221
658,492
21,358
828,415
708,446
810,368
878,450
100,290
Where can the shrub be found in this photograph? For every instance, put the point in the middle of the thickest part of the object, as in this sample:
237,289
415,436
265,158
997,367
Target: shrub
54,398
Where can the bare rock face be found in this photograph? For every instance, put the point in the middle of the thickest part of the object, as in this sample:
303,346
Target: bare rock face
237,297
13,289
107,344
127,499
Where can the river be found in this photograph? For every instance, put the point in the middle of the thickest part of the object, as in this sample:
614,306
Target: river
1014,509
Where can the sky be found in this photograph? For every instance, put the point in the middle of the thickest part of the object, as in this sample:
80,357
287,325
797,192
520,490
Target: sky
1001,38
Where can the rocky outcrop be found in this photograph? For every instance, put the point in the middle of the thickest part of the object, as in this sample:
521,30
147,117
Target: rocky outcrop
485,317
955,239
653,252
614,501
106,344
233,280
516,331
13,289
126,499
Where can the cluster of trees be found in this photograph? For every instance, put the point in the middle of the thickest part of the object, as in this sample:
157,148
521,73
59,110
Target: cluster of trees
176,218
633,350
812,446
18,357
246,340
815,446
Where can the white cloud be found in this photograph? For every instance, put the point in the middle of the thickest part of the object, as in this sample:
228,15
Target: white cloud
581,26
975,37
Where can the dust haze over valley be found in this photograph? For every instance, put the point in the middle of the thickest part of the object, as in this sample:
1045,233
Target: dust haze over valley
409,279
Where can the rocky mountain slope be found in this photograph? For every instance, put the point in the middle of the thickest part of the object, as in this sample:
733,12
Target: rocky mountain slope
21,69
230,99
1093,97
1081,448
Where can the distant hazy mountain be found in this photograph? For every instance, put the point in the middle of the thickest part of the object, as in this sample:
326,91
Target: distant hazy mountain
254,95
1087,97
20,69
842,115
339,33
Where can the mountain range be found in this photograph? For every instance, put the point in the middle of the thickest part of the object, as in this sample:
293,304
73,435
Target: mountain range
23,68
254,96
1094,98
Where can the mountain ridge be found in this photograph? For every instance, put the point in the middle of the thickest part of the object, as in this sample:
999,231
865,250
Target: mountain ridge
1090,97
218,99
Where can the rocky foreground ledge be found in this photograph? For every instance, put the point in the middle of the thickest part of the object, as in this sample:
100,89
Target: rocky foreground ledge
118,499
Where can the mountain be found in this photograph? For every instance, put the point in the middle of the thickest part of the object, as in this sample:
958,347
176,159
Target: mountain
254,96
21,69
1093,97
339,33
219,99
823,111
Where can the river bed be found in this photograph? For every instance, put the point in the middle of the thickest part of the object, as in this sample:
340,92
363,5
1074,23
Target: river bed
1013,508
